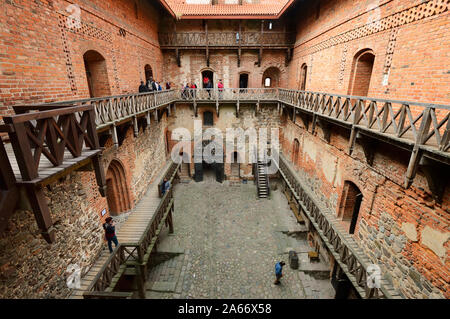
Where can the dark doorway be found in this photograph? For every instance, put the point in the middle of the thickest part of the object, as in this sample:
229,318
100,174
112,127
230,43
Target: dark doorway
148,73
210,76
243,80
209,171
303,77
208,118
350,205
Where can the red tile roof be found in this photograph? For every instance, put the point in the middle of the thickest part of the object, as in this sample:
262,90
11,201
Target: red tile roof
264,8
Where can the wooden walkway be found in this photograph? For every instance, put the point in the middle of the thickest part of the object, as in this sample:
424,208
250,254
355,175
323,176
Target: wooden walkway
130,232
46,169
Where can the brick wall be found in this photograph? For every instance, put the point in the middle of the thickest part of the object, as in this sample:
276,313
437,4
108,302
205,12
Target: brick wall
42,58
404,231
408,38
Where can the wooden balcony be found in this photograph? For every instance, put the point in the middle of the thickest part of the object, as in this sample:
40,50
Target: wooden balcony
248,40
227,40
46,145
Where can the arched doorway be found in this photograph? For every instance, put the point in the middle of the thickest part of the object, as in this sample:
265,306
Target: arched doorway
295,151
207,74
185,171
235,165
148,72
304,72
271,77
350,205
96,74
361,73
117,189
243,80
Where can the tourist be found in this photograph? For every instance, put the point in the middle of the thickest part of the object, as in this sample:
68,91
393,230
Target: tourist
220,87
143,88
149,85
209,87
279,272
193,87
167,85
110,233
165,186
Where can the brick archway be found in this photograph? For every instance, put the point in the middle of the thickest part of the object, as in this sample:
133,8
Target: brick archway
118,196
361,73
272,73
96,74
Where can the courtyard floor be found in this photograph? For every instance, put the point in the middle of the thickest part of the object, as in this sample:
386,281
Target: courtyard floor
226,244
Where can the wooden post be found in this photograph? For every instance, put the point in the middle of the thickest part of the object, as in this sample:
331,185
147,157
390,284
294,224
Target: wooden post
41,211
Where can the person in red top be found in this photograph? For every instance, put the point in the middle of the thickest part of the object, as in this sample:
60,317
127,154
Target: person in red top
220,87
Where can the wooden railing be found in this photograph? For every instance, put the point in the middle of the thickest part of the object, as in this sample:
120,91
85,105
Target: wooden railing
135,254
421,123
51,133
227,39
60,135
112,109
229,94
345,254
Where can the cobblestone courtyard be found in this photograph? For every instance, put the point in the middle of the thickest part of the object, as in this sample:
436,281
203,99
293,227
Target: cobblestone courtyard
226,244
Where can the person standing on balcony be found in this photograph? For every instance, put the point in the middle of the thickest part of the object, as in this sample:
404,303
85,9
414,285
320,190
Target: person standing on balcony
193,87
220,87
143,88
167,85
110,233
209,87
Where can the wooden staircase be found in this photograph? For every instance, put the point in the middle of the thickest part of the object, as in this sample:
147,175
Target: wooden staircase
262,179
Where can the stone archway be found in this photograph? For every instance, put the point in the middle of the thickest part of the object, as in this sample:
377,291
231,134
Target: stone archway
118,195
96,74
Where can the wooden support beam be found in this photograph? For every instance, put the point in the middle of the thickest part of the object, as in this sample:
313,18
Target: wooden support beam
135,126
99,175
177,55
369,146
314,123
352,141
41,211
326,129
207,42
115,139
437,175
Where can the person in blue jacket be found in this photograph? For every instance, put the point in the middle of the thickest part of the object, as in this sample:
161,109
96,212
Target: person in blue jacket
279,271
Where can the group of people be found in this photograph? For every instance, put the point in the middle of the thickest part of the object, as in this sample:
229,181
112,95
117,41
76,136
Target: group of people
189,89
152,86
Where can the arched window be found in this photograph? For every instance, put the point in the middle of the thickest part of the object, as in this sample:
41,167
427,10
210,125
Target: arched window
304,72
350,205
96,74
361,73
271,77
295,151
117,190
208,118
148,72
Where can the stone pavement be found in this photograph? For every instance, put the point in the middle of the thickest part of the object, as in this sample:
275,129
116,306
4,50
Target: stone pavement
226,244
